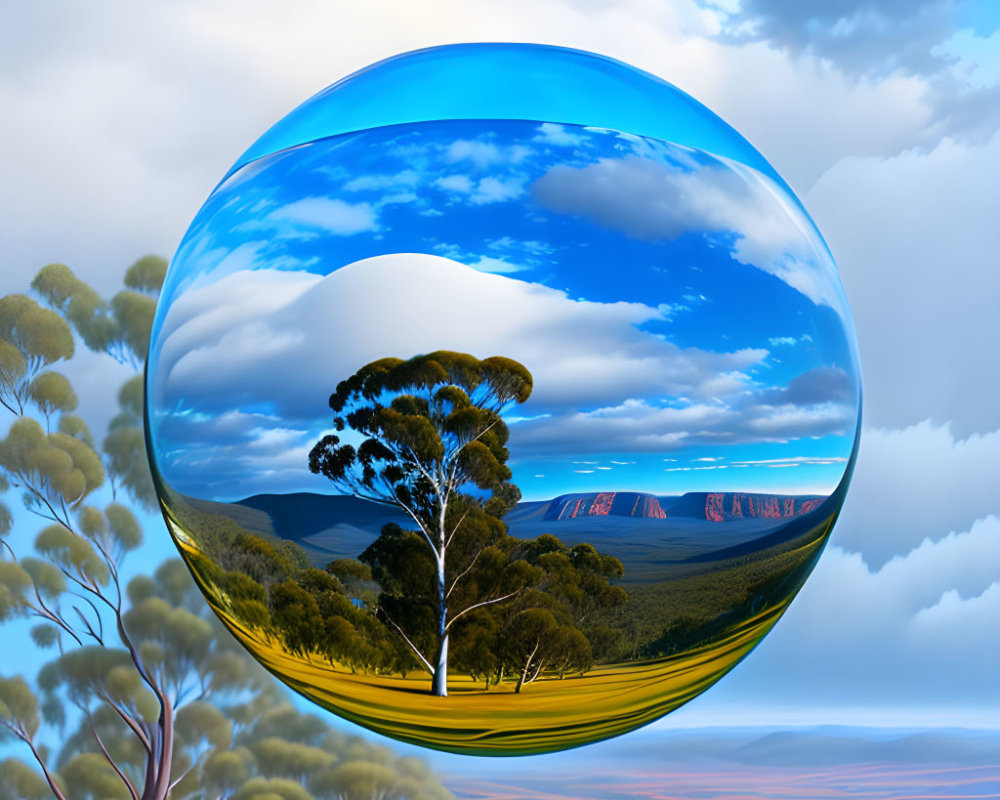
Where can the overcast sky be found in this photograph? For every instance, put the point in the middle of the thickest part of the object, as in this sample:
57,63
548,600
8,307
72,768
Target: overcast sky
884,117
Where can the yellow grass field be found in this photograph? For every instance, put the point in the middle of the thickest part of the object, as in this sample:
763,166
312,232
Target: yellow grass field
550,714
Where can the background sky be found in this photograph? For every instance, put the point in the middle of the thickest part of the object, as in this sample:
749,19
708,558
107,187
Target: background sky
883,116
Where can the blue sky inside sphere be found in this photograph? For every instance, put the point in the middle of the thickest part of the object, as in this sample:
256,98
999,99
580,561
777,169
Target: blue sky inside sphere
683,320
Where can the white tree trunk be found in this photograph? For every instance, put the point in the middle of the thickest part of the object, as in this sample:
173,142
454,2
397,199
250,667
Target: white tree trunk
439,686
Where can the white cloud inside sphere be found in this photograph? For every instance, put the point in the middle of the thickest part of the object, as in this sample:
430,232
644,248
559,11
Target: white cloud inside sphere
648,199
265,328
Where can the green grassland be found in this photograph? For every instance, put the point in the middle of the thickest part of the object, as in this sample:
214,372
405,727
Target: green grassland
681,633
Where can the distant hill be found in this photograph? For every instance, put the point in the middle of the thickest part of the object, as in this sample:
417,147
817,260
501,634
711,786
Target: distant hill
645,531
604,504
728,506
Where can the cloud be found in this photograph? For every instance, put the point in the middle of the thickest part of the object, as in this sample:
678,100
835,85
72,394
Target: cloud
650,199
485,154
919,266
232,455
861,36
557,135
499,266
640,426
97,68
581,353
497,190
923,625
331,215
819,460
531,246
872,43
484,191
978,57
373,182
917,483
455,183
914,231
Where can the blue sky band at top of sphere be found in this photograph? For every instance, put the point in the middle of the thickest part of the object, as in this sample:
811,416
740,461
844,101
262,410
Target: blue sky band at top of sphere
497,80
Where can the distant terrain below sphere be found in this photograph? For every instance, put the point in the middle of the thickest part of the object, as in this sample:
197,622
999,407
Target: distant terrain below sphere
501,398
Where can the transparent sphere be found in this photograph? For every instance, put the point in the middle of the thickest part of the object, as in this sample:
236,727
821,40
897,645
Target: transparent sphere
501,398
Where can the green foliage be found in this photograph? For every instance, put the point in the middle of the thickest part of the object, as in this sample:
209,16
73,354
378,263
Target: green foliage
203,721
443,413
72,552
47,578
121,327
134,314
281,758
13,370
51,391
124,446
123,527
272,789
130,397
15,584
359,780
226,770
18,705
6,520
146,274
74,426
41,335
55,469
21,782
92,523
88,776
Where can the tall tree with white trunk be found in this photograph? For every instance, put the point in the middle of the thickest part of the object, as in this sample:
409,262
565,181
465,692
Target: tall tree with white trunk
423,433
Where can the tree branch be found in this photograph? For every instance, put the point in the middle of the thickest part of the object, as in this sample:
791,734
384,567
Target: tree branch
107,757
17,413
45,770
464,572
182,776
478,605
131,723
413,647
43,610
455,529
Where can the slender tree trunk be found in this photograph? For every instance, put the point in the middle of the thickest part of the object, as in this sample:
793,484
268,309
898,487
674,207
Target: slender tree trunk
161,787
521,680
439,685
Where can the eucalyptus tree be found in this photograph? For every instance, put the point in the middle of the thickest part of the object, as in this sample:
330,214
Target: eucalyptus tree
31,337
432,434
119,327
149,696
140,663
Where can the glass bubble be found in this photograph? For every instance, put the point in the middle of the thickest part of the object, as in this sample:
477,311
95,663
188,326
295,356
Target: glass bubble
501,397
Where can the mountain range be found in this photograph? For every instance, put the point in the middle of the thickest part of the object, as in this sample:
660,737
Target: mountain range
644,530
